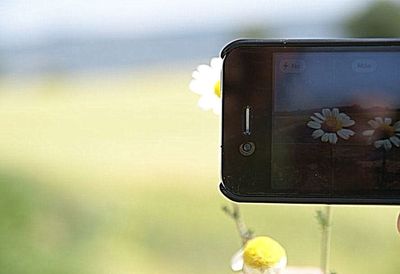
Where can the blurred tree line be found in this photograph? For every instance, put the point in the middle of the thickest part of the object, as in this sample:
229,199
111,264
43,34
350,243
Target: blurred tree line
379,19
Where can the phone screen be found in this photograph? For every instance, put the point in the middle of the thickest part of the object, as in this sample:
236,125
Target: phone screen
336,122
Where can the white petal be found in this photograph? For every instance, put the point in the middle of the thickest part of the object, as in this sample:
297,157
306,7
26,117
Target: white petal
395,140
335,112
207,102
207,75
325,137
345,133
387,144
196,74
249,270
216,63
342,134
388,121
317,133
373,124
379,120
204,70
278,268
378,143
314,125
237,261
316,119
332,138
283,262
320,116
350,132
348,123
344,116
397,126
326,112
368,133
217,108
201,87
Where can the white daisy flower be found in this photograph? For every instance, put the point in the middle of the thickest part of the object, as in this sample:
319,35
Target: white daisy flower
206,82
383,133
330,124
260,255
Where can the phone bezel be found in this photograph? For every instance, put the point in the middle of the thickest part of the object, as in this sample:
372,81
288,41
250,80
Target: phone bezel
233,189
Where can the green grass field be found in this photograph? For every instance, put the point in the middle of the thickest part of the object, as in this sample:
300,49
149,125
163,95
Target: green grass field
119,173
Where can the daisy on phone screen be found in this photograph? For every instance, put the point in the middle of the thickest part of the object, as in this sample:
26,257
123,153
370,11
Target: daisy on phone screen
383,133
329,124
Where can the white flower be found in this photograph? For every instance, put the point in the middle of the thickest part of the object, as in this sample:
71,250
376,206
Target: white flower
383,133
206,82
260,255
329,124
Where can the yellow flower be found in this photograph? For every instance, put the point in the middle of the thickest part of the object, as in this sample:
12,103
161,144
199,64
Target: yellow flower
206,82
260,255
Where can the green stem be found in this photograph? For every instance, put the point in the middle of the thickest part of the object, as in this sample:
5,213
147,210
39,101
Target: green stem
244,233
326,240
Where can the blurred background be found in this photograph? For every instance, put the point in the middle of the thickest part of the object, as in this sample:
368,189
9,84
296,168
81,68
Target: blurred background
107,165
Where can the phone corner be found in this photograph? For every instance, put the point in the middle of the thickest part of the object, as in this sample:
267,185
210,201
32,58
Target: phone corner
236,43
227,193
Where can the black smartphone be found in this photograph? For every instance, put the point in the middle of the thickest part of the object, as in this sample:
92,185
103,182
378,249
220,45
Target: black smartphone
311,121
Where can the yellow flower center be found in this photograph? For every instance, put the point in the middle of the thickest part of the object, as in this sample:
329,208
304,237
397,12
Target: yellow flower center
385,131
262,253
217,88
331,124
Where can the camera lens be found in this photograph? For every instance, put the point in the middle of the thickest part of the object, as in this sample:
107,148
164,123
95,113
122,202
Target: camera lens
246,149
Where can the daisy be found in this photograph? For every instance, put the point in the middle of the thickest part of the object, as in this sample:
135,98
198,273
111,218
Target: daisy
330,124
206,82
383,133
260,255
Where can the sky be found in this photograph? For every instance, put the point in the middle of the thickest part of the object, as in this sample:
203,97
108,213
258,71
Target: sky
28,20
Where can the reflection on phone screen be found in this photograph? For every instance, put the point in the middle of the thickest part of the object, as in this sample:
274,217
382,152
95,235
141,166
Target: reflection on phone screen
336,122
